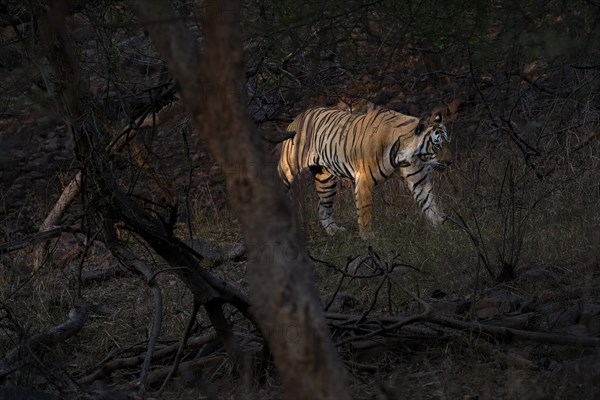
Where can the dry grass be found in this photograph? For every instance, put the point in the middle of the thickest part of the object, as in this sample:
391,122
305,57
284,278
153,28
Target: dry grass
559,222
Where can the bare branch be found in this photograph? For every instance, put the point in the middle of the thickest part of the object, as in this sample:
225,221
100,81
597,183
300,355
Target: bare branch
46,341
35,239
134,263
182,344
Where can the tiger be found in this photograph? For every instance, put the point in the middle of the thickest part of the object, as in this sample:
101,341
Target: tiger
367,149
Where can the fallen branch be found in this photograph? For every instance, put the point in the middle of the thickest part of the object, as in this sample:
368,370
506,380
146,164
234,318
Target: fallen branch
133,263
395,326
391,324
63,202
44,342
131,362
98,275
36,238
214,255
187,370
510,333
182,344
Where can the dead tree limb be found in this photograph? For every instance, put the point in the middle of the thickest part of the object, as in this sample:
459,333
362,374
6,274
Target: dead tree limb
44,342
35,239
210,291
113,365
280,274
182,344
379,332
115,270
390,324
132,262
510,333
189,371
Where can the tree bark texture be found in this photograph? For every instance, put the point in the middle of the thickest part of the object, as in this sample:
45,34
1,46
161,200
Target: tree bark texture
285,302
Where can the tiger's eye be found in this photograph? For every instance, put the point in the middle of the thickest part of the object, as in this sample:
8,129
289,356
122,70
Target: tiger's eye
438,118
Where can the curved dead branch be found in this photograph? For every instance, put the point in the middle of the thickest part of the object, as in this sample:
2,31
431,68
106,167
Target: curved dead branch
45,341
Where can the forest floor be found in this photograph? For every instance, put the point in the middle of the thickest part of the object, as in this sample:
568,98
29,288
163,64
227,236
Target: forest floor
500,302
431,361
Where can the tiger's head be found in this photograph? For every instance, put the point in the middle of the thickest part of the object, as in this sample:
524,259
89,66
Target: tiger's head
433,133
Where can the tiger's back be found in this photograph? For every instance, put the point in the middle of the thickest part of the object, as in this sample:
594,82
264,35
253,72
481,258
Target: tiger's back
342,142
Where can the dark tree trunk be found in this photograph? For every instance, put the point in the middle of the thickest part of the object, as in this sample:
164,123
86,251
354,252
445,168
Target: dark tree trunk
285,301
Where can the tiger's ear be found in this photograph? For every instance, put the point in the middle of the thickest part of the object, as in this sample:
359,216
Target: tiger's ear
438,115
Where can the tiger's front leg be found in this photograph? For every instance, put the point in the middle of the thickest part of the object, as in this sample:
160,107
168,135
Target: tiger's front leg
421,186
363,192
326,185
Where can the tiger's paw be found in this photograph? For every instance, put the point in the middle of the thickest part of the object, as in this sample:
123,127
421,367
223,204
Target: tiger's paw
435,218
333,229
367,236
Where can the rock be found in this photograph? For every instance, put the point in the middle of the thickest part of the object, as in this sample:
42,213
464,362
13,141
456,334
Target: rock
449,307
582,319
564,318
497,303
555,366
538,278
517,321
486,311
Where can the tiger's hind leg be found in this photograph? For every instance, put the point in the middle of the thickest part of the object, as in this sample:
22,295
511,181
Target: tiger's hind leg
326,185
